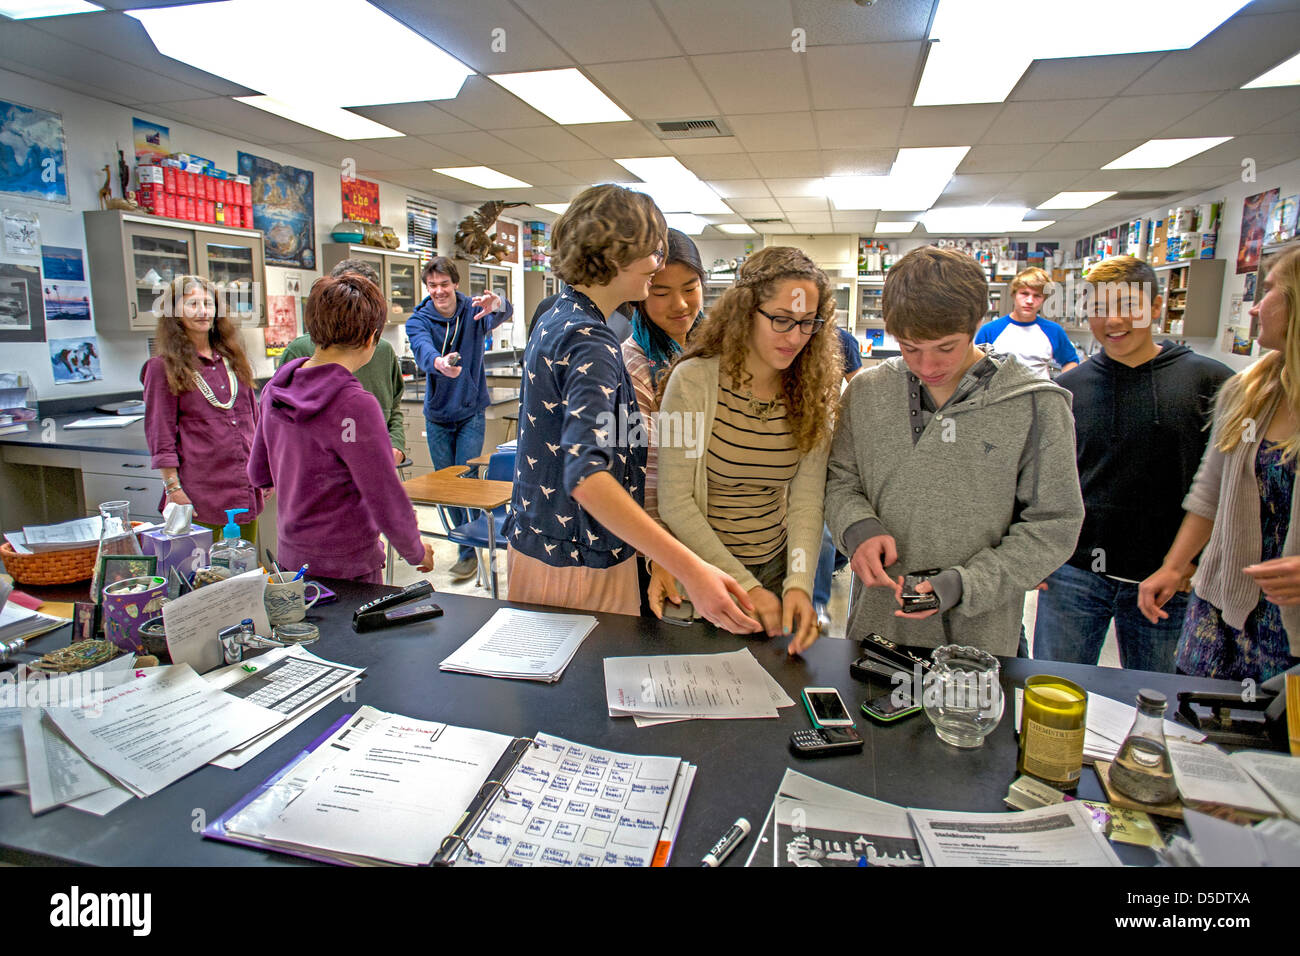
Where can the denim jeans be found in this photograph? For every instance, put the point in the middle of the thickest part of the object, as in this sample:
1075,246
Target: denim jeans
828,562
456,444
1076,608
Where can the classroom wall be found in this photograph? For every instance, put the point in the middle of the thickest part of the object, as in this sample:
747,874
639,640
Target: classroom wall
93,131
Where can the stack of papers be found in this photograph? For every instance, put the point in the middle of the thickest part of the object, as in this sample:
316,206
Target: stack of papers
525,645
1261,783
17,622
665,688
812,824
65,536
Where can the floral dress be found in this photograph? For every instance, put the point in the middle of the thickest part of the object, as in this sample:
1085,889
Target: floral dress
1208,646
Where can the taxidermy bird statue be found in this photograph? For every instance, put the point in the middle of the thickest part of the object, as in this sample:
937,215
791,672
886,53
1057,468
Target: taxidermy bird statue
476,237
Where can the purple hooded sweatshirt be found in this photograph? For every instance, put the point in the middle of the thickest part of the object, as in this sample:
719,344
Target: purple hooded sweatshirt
323,443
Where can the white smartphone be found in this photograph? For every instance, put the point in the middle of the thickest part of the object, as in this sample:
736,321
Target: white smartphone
826,708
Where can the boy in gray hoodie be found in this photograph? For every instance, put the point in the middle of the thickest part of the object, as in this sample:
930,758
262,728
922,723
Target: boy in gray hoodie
950,458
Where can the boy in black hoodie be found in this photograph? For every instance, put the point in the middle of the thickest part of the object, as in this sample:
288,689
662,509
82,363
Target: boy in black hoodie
1140,413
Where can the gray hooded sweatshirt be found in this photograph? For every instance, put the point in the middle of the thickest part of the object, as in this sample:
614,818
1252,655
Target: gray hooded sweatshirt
990,490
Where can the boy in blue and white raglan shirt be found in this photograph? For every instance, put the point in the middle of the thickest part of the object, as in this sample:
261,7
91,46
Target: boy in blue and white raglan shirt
1037,342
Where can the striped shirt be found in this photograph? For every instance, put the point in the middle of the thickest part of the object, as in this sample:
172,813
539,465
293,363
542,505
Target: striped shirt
752,458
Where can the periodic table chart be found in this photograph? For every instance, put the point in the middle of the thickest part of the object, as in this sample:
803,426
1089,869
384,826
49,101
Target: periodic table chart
569,805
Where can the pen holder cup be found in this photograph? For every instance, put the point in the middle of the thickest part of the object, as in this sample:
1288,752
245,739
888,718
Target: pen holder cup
128,604
286,599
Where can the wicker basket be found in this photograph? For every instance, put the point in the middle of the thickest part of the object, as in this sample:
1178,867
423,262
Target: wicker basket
51,567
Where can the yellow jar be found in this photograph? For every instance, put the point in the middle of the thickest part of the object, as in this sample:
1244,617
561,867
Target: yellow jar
1052,729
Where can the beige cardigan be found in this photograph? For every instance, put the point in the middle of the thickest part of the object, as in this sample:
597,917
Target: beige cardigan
1225,492
691,399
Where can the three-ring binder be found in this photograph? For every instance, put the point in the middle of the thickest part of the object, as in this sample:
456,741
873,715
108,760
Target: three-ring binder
482,802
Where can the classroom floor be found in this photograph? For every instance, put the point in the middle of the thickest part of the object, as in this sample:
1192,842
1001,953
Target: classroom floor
445,557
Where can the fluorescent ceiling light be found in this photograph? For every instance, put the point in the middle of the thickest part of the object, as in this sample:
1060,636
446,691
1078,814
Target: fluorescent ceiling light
1161,153
483,176
988,220
735,229
1076,200
566,96
28,9
559,208
328,119
917,178
899,227
965,32
305,73
672,186
685,222
1284,74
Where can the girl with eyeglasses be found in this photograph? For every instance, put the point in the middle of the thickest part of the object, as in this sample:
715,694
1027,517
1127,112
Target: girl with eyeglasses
744,430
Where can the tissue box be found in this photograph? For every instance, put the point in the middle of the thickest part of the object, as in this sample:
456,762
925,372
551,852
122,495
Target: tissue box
184,552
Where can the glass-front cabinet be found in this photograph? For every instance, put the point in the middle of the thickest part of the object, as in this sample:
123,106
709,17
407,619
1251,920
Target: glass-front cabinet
134,257
399,275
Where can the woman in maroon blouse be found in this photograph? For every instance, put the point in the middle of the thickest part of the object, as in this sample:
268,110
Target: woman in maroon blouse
200,410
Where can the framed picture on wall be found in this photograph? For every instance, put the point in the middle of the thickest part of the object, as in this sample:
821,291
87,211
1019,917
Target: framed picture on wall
22,307
33,164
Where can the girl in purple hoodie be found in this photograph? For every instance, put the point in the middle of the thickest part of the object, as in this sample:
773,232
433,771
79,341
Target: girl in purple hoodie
323,443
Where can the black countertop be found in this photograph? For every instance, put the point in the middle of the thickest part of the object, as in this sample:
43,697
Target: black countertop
740,761
128,440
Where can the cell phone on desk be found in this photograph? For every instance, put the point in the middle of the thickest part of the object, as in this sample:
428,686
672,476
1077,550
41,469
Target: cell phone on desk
913,600
887,709
683,615
825,742
826,708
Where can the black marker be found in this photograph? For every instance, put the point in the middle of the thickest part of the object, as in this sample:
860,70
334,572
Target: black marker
730,840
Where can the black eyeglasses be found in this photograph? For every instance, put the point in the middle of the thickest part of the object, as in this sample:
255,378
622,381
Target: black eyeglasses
783,323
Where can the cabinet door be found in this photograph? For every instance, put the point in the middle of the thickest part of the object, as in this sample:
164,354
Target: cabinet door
501,283
155,255
403,294
478,281
234,263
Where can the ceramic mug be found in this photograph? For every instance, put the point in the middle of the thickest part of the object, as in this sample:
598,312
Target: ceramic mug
286,599
128,604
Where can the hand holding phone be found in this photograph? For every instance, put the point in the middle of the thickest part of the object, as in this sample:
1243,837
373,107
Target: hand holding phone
915,601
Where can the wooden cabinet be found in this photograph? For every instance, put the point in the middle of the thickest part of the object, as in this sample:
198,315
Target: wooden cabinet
399,275
1193,294
134,256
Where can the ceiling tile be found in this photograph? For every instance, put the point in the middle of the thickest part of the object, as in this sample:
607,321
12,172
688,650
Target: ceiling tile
1233,54
549,143
784,188
805,162
774,132
756,207
1076,77
484,149
417,151
1186,177
484,104
1265,150
540,174
618,139
1116,179
805,205
865,75
722,165
947,125
1237,112
754,82
415,119
811,225
230,114
1289,123
1085,155
977,185
465,31
334,152
854,23
703,146
656,89
859,128
773,228
727,26
858,162
1138,116
592,171
596,32
740,189
1003,157
854,221
1049,181
1043,121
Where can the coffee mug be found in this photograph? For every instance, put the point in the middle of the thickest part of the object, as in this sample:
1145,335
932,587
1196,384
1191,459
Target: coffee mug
286,599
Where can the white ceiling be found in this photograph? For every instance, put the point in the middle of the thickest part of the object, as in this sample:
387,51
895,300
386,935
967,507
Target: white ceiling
842,107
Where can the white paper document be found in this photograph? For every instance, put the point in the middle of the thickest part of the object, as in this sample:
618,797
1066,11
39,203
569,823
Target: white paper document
105,421
56,771
78,533
1221,843
18,622
193,621
1206,775
13,765
531,645
386,788
570,805
1063,834
779,699
711,686
1277,774
151,732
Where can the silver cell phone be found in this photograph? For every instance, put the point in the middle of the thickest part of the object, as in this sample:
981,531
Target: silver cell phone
683,615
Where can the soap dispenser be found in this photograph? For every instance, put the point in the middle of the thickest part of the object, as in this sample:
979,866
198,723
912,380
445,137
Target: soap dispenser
232,551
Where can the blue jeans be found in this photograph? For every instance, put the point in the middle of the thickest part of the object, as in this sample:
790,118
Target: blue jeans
828,562
456,444
1076,608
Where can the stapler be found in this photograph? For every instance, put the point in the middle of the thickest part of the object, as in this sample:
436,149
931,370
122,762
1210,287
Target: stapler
394,609
1236,722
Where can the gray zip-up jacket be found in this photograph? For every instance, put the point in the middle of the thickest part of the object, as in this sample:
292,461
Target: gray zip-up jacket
990,490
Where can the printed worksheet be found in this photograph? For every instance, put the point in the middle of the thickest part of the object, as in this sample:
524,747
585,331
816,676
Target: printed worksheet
570,805
716,686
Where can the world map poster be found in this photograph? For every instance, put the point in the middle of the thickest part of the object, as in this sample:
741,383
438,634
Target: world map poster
284,208
32,161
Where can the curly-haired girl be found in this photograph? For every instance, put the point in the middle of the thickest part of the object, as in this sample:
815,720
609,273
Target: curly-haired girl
744,431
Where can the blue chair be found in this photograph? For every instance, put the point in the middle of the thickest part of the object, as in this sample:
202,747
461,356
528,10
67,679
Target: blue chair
474,534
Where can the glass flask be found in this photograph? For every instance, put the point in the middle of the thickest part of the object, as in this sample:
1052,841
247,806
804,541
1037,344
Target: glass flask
1142,769
963,695
115,537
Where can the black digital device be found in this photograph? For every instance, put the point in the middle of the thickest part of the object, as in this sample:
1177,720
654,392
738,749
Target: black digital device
883,658
884,708
825,742
412,613
370,616
453,359
914,601
683,615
